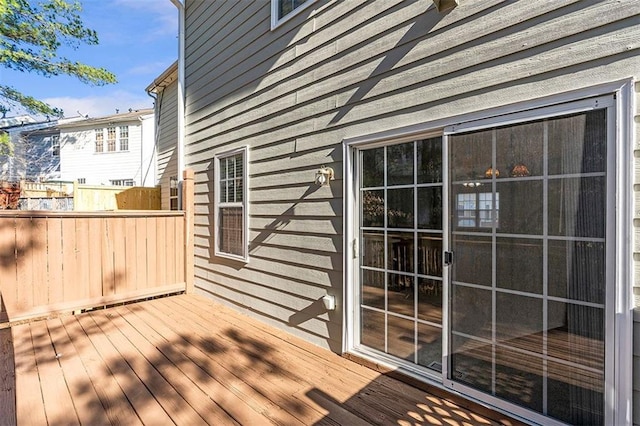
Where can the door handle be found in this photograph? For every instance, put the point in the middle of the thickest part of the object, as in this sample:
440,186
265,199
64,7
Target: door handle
447,258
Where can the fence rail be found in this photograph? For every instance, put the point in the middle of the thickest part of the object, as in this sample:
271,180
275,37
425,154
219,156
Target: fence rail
61,261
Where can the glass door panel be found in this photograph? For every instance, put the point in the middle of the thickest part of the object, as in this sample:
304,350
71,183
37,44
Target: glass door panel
527,297
400,265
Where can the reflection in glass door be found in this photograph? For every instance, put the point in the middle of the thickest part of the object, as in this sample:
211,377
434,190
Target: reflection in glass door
527,225
400,270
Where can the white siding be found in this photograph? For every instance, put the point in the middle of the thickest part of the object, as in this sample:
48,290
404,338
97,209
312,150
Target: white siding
78,158
347,69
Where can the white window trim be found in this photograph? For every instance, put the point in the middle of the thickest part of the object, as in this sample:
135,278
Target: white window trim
120,138
105,144
275,22
245,204
619,393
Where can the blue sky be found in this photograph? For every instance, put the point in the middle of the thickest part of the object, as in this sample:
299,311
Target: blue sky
138,41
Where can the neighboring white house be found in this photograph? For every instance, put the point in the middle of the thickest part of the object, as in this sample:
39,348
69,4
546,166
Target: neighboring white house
112,150
35,153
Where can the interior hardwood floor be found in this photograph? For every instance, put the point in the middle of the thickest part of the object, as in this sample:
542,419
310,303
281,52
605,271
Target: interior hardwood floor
186,360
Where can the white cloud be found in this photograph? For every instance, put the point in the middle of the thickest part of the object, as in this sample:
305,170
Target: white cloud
98,106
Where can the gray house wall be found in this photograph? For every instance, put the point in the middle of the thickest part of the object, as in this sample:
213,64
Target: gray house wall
341,70
166,138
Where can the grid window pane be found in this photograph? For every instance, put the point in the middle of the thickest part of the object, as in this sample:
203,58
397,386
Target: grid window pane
373,328
400,208
99,140
111,139
430,208
430,347
575,143
430,300
400,337
230,230
372,170
373,249
372,205
519,264
124,138
372,287
400,294
285,7
429,160
400,164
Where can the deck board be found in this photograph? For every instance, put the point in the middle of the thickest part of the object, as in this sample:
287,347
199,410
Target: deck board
29,403
85,398
118,408
187,360
283,390
7,376
225,388
57,401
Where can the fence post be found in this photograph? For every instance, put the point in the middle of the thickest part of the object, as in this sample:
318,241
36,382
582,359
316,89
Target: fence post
188,207
75,196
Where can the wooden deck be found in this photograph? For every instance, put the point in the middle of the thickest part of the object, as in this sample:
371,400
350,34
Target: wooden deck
188,361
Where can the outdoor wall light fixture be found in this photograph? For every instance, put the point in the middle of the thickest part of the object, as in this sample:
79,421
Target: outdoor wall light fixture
445,5
329,302
324,175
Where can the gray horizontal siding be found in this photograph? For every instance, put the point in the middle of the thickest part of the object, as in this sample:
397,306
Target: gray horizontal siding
167,139
346,69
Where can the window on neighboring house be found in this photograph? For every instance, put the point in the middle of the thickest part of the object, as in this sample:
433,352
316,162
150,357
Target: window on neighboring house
111,139
283,9
230,211
55,145
99,140
122,182
124,138
476,209
82,180
173,193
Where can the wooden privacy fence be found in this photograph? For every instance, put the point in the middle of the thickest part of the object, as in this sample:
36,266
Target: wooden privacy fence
96,198
65,261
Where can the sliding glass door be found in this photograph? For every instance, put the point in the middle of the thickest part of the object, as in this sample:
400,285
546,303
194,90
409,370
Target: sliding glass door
486,259
528,215
400,235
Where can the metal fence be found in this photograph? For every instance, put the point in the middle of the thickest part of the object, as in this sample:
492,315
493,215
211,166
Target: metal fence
46,203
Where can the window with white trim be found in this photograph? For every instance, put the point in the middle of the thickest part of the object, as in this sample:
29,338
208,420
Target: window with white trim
99,140
173,193
282,10
124,138
230,204
55,145
111,139
122,182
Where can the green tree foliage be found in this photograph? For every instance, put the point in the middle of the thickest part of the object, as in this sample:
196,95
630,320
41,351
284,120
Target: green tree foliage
5,144
30,35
